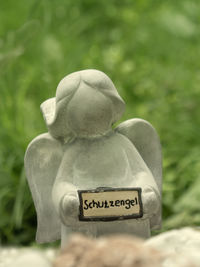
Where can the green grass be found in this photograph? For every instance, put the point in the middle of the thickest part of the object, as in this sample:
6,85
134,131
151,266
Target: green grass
149,48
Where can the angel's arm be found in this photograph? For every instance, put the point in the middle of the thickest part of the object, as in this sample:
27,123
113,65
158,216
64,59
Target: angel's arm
151,199
64,193
142,177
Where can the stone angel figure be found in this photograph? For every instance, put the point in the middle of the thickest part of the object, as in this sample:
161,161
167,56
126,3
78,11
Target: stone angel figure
82,151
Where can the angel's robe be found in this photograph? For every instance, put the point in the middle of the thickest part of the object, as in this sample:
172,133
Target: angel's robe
105,161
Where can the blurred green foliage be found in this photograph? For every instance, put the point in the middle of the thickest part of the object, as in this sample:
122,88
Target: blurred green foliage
149,48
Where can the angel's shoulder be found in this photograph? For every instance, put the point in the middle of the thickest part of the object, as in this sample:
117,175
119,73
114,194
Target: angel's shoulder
123,141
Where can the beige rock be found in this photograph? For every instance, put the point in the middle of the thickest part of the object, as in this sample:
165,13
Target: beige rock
113,251
31,259
26,257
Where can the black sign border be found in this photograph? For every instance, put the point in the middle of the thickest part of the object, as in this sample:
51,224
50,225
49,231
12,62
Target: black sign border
110,218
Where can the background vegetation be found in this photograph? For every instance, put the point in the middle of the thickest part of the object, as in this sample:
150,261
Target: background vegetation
149,48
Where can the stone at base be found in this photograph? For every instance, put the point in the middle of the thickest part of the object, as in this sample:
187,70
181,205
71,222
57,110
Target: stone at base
113,251
182,247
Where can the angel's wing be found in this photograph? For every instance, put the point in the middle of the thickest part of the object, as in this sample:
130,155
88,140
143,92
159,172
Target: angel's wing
42,160
145,139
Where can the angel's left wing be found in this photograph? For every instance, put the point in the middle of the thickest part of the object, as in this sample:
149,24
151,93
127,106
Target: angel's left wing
144,137
42,160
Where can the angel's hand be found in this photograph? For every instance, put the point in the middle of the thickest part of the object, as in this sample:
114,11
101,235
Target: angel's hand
69,209
151,202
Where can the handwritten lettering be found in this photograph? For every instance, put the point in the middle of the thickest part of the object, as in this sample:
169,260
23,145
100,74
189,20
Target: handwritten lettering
127,203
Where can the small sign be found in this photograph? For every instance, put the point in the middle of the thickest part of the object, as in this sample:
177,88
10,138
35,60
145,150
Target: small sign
110,204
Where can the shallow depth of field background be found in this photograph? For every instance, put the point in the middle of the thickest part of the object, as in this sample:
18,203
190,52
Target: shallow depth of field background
151,51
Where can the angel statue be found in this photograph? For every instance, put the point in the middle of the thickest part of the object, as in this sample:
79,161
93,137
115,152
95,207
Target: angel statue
83,151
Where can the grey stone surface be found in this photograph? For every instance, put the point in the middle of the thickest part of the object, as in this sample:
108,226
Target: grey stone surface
181,247
82,151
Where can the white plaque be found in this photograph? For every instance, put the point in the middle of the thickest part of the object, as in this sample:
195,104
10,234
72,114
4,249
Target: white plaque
109,204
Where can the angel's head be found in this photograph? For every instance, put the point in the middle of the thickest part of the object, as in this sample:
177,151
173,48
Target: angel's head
86,104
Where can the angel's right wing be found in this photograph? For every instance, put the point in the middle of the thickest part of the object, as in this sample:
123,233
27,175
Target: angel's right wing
42,160
145,139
